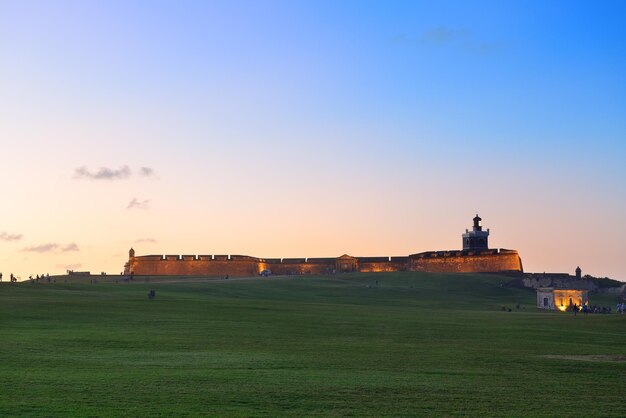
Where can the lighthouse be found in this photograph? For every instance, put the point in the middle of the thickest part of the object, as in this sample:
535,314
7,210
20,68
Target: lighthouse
476,239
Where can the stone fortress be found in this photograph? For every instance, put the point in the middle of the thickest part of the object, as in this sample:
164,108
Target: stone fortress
475,257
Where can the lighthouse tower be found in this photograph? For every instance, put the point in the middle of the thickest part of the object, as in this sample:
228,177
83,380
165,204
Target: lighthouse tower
476,239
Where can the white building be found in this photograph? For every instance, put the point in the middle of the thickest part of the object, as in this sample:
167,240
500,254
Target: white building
561,299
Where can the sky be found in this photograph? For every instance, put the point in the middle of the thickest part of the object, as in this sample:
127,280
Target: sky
311,129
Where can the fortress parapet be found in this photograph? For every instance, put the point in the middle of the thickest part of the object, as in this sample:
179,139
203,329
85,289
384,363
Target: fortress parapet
477,261
475,257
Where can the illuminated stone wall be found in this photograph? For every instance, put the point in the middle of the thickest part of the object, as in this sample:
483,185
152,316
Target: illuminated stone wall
563,297
297,266
193,266
486,261
238,265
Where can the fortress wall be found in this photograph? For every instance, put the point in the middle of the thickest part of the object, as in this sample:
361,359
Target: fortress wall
363,260
294,260
561,281
243,258
467,263
382,266
152,257
238,265
289,266
320,268
286,268
145,266
271,260
326,260
190,266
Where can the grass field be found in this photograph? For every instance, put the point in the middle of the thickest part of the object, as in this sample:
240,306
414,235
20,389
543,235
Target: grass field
416,344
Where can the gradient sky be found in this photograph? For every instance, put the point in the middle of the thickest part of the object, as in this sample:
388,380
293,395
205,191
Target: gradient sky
311,129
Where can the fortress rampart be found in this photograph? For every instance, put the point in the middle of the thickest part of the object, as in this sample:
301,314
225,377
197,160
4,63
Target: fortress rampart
480,261
492,260
475,257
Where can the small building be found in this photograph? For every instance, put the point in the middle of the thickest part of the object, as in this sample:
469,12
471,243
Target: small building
561,299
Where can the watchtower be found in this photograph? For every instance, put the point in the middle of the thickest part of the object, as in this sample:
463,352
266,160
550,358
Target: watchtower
131,253
476,239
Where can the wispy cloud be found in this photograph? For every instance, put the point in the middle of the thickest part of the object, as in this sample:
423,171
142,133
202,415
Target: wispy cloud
70,247
104,173
145,240
52,247
146,172
41,248
138,204
442,36
5,236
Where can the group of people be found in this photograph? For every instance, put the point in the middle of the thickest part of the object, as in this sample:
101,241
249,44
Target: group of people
38,277
586,309
12,278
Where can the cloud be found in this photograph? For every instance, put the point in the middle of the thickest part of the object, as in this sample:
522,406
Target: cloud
445,37
52,247
138,204
5,236
146,171
70,247
146,240
442,35
41,248
103,173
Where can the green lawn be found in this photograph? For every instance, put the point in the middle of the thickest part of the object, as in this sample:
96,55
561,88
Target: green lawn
416,344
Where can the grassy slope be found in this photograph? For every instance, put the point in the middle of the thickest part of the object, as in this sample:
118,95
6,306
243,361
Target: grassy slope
418,344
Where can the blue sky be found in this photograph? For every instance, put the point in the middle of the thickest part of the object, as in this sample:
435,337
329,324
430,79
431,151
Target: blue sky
405,116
